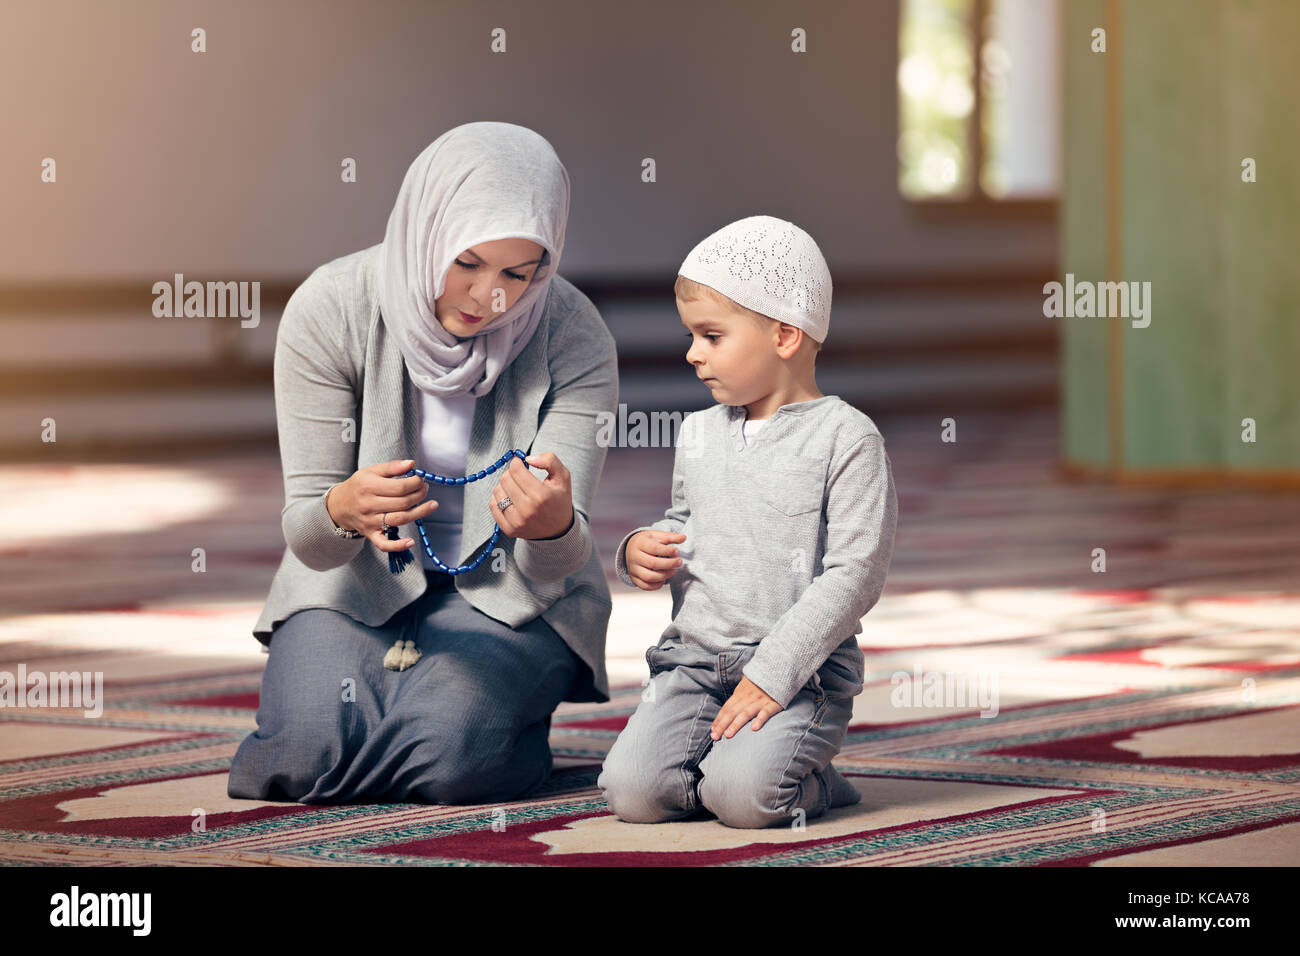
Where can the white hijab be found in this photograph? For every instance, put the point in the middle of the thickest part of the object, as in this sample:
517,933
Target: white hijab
475,183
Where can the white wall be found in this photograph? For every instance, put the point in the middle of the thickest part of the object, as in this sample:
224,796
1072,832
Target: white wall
226,164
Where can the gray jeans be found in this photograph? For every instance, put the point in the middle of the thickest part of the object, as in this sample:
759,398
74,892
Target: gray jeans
665,765
468,723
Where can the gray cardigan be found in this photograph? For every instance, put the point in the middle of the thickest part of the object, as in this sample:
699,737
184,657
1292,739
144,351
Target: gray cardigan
344,400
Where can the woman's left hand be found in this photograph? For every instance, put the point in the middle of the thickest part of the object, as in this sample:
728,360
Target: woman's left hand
537,509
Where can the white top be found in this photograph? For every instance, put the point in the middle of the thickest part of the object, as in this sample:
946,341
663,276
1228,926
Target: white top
751,426
444,446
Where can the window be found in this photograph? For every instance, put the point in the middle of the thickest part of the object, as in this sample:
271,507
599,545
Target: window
986,134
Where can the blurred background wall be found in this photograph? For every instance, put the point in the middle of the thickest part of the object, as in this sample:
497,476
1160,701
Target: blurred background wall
225,165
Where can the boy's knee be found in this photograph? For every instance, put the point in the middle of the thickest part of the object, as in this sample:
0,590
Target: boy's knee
634,799
743,798
742,809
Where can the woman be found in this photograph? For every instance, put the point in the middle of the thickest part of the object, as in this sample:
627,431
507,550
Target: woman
444,347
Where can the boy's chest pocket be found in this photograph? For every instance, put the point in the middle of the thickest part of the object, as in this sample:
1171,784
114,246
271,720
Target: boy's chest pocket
790,489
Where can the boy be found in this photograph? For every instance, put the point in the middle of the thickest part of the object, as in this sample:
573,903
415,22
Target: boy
777,542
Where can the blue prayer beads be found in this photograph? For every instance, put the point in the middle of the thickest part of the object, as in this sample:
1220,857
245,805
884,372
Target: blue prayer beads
397,560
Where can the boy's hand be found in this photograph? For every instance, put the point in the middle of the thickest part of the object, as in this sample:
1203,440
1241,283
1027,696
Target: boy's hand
746,701
651,558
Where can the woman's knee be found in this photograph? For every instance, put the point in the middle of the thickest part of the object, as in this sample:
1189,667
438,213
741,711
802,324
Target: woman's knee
298,742
472,753
284,766
482,761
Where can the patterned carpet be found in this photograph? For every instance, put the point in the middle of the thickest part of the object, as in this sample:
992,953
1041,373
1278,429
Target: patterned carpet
1146,716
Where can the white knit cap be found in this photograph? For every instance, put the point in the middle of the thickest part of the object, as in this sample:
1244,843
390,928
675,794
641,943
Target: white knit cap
768,265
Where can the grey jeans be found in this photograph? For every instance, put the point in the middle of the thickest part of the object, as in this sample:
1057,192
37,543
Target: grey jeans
468,723
665,765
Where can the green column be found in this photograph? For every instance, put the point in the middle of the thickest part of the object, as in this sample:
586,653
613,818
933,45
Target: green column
1155,133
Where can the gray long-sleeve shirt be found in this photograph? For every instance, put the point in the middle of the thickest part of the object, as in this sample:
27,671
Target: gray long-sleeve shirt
788,538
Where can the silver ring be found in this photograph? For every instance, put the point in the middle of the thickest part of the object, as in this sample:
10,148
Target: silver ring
504,503
383,523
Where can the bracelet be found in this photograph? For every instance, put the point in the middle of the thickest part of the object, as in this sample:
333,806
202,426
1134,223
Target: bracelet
340,532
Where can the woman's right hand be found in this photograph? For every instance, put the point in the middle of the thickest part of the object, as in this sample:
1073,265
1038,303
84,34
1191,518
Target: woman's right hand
651,558
373,495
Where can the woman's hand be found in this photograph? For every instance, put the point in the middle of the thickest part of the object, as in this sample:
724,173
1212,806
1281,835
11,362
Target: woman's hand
651,557
371,495
538,509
